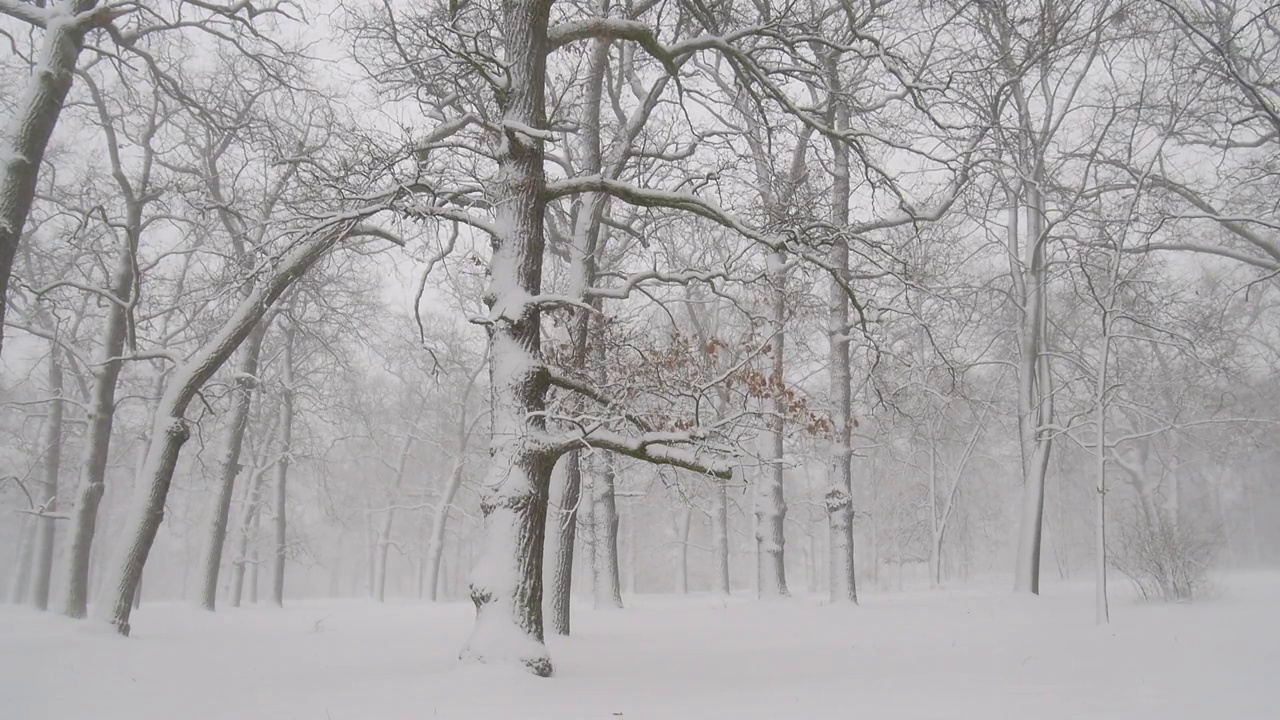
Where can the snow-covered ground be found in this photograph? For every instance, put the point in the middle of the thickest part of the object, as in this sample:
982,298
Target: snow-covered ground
956,654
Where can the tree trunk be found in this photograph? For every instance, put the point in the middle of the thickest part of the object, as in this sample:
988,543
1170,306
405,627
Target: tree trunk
97,442
682,550
435,547
284,443
506,584
42,564
246,378
839,495
567,532
771,507
1035,397
608,587
27,132
170,429
248,535
21,579
720,537
388,520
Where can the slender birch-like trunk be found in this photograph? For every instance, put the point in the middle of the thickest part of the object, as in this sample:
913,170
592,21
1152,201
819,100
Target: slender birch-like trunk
170,430
247,534
101,418
439,524
284,442
383,544
839,495
771,506
42,563
246,379
1035,395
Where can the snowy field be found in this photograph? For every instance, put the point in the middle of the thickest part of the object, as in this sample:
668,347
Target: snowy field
954,654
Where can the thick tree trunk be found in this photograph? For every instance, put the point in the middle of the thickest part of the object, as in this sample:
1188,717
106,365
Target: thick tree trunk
771,507
608,587
97,442
42,563
285,447
170,429
567,534
26,134
839,495
506,584
246,378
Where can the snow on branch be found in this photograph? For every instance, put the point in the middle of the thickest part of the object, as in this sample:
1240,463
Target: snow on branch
565,381
27,12
655,448
632,281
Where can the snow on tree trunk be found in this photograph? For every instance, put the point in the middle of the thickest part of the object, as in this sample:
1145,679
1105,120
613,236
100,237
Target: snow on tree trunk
245,379
435,549
24,138
247,534
567,534
839,494
284,444
770,505
388,520
1035,397
608,589
42,562
170,430
97,441
506,583
719,537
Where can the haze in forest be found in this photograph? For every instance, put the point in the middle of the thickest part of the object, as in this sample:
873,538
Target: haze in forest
443,330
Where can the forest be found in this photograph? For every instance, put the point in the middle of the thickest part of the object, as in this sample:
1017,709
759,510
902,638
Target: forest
549,306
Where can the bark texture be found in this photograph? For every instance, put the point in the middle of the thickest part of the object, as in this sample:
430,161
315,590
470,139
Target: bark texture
26,135
246,373
42,562
284,445
506,584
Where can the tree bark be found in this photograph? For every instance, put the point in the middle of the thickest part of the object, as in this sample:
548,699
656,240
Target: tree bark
720,537
435,547
170,429
567,532
97,442
26,134
247,535
771,506
285,446
506,584
246,378
839,495
42,563
1035,397
608,588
